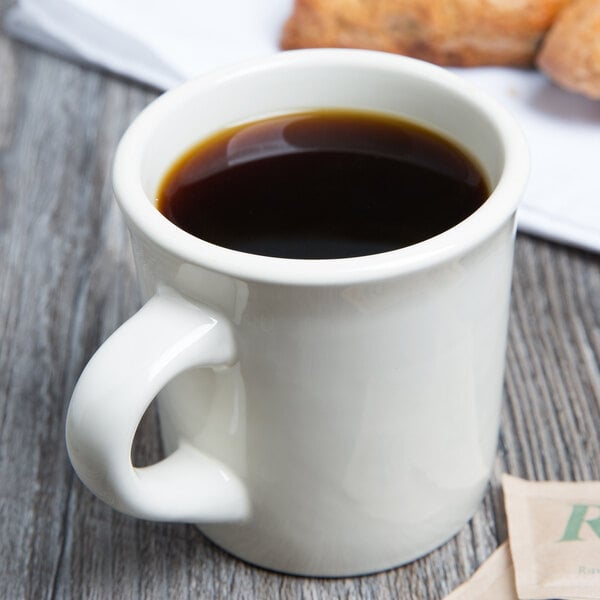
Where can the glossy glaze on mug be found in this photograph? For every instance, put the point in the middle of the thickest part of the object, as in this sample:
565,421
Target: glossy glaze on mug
356,424
362,419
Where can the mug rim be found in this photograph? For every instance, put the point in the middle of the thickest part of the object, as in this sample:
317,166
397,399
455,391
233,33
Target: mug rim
144,218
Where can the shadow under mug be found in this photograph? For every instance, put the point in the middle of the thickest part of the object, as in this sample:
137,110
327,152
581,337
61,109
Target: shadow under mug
329,417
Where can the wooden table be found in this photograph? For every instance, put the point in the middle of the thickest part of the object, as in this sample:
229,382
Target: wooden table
67,281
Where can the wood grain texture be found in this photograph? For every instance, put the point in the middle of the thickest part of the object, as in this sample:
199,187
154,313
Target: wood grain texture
66,282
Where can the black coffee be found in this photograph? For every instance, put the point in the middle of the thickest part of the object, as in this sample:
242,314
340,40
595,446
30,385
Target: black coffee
327,184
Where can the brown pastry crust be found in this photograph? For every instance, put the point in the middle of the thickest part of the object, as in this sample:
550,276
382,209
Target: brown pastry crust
570,54
447,32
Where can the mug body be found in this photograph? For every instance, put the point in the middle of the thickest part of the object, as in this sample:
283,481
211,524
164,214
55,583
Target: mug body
362,414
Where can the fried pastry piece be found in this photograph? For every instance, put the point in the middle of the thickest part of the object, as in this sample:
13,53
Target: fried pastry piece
570,54
447,32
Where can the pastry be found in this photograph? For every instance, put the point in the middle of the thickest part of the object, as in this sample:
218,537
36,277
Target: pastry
447,32
570,54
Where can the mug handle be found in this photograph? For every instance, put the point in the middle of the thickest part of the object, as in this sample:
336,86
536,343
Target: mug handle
167,336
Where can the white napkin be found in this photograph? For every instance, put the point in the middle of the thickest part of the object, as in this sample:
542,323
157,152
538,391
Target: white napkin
163,43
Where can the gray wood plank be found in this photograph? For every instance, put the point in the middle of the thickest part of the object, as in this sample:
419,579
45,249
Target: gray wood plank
66,282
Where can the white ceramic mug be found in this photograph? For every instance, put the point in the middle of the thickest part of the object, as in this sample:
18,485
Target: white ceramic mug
328,417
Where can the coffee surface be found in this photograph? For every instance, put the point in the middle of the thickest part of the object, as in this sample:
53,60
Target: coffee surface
319,185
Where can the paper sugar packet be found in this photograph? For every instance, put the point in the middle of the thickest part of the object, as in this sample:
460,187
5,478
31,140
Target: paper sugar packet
554,533
494,580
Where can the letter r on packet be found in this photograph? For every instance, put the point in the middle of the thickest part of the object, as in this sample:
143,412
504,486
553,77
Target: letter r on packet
554,533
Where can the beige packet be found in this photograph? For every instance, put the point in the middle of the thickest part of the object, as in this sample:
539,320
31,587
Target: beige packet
554,533
494,580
